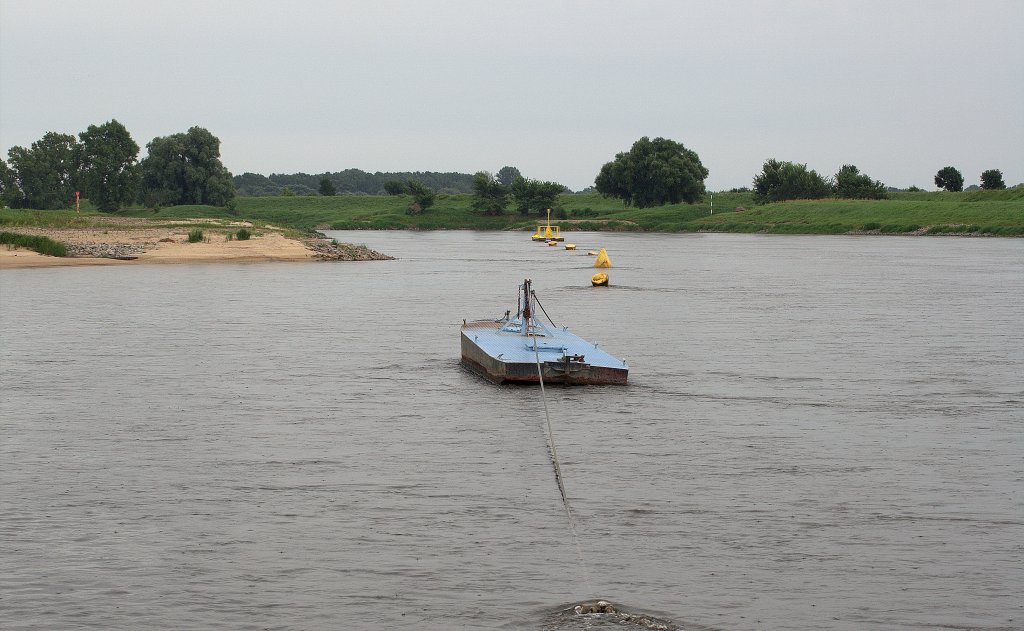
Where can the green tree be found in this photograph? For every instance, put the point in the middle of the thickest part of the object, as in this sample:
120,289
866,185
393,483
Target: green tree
532,195
421,194
992,179
782,180
186,169
10,193
852,184
653,173
326,188
490,197
950,179
110,170
507,175
47,173
394,187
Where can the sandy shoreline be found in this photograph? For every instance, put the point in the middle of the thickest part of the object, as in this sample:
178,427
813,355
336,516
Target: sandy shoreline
142,242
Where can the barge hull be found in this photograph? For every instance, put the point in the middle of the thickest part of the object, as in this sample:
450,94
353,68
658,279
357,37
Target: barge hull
526,372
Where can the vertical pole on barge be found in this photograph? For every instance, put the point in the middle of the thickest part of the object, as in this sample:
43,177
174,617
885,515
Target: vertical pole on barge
526,307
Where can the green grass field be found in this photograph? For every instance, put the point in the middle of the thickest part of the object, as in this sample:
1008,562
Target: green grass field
978,212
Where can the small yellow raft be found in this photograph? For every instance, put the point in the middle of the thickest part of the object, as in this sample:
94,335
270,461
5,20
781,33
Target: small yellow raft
570,246
599,279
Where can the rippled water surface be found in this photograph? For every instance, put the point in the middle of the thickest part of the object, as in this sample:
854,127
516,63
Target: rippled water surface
819,433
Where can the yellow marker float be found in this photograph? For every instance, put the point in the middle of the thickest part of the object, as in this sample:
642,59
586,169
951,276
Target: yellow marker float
602,259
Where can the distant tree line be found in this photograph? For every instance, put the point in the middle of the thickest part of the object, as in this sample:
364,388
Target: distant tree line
347,182
102,165
780,180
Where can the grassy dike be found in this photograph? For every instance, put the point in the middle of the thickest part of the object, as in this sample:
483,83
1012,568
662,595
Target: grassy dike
999,213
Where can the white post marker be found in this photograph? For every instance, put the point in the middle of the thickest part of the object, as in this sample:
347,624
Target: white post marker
712,203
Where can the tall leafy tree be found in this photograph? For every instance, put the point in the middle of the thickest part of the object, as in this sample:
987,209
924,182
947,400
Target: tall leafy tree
852,184
507,175
47,173
326,187
950,179
532,195
781,180
490,197
10,192
110,169
653,173
992,179
186,169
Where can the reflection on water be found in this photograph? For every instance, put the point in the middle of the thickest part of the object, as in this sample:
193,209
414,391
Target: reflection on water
820,432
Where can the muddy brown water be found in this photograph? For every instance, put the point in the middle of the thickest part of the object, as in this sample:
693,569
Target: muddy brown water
818,433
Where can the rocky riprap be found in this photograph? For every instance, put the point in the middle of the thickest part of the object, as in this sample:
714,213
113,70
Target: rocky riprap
106,250
331,251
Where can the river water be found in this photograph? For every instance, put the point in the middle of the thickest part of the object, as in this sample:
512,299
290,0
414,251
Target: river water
819,433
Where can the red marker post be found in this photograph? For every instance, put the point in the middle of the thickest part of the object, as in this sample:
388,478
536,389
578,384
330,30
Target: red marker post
77,194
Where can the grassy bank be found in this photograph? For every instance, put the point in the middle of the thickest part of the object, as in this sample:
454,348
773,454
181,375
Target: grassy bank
43,245
983,212
978,212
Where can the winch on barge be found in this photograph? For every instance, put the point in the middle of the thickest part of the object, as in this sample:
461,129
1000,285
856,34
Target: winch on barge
509,350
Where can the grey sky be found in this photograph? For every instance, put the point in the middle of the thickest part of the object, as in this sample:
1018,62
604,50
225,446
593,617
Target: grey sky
900,88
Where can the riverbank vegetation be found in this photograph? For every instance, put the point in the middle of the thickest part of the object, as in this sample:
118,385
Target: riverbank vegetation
43,245
983,212
996,212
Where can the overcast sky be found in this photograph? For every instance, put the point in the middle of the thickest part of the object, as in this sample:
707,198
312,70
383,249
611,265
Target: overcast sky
899,88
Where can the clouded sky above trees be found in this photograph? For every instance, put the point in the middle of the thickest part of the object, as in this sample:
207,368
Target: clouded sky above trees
555,88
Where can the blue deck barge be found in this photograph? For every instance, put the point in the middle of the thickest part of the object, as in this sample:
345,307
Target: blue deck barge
503,351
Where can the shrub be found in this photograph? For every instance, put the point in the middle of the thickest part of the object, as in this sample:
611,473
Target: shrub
43,245
243,234
780,181
195,236
852,184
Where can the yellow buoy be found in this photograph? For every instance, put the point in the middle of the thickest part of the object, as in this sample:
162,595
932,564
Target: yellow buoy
552,243
591,253
599,279
602,259
570,246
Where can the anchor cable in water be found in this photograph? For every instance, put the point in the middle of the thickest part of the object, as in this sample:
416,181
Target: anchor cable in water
551,434
558,468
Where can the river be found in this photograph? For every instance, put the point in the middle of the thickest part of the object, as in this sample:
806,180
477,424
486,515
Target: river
818,433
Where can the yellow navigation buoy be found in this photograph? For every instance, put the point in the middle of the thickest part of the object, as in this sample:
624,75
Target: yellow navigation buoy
547,232
591,253
552,243
570,246
599,279
602,259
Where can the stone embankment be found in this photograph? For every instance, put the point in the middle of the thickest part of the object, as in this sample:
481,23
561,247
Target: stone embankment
107,250
325,250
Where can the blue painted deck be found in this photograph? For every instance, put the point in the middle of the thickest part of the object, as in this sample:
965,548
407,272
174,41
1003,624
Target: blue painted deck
504,340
